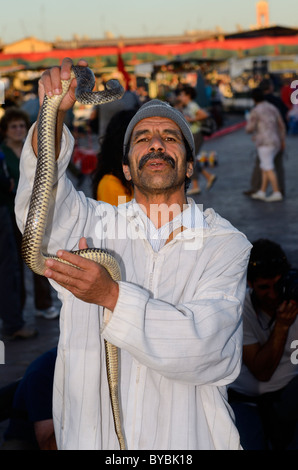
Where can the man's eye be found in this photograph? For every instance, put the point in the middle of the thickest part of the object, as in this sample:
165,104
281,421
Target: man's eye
170,139
143,139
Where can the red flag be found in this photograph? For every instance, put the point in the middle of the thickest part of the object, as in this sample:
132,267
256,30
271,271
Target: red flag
121,69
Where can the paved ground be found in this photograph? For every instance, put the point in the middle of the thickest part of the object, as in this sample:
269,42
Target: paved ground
277,221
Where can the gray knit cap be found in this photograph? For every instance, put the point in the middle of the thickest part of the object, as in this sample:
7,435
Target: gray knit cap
162,109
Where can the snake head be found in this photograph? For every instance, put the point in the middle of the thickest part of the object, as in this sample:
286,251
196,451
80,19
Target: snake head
115,86
85,84
85,79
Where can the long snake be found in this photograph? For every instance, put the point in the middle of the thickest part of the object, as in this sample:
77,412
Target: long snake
40,200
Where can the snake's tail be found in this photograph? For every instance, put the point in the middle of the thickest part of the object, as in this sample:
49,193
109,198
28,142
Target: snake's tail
112,372
111,351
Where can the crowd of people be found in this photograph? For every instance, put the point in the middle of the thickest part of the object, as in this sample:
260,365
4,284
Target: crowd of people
14,127
176,316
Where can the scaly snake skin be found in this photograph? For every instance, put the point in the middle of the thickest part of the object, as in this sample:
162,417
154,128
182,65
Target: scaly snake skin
40,198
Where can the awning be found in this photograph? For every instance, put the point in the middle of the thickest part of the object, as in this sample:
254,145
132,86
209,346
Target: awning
158,50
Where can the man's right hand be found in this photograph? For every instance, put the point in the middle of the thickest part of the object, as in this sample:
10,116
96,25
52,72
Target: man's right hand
50,83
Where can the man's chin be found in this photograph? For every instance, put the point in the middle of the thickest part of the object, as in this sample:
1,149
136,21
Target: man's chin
158,183
161,188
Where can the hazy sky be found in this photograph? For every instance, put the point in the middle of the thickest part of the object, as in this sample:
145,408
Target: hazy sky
64,18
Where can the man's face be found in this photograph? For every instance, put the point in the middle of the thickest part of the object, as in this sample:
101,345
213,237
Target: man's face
268,292
157,157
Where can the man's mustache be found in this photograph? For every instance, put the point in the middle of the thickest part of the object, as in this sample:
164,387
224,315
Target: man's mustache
155,155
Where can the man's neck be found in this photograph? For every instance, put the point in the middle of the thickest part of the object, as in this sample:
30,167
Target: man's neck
161,208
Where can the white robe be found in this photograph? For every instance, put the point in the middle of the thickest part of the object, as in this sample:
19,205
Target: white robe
177,324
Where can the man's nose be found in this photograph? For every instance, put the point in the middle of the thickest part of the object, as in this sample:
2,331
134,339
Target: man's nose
157,144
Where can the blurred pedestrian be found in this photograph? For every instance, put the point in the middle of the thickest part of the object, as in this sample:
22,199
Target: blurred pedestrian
142,94
13,324
30,104
267,127
30,426
267,87
195,116
14,126
293,120
286,93
101,115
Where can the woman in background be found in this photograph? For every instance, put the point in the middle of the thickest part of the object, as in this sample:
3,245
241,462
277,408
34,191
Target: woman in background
109,182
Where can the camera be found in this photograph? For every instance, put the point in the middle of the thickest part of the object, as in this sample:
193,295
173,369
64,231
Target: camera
290,285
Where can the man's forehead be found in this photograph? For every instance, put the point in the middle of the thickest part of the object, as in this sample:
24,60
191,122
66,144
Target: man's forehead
151,122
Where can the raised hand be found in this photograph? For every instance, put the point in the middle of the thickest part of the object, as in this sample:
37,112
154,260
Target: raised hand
50,83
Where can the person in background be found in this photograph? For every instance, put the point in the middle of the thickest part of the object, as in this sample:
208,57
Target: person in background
194,116
14,126
143,94
101,115
11,313
109,182
267,87
286,93
264,396
268,132
293,120
30,425
30,103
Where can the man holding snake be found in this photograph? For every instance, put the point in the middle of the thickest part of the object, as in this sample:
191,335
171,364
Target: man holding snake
175,316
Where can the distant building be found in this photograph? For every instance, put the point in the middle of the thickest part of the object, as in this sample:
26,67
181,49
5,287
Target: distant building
262,14
102,54
27,45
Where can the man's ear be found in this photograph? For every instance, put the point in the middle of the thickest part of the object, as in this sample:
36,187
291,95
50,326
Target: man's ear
189,169
126,171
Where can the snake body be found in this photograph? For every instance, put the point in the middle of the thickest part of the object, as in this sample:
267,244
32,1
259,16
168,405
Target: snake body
40,199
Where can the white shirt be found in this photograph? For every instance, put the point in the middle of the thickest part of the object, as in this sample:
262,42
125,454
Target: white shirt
157,237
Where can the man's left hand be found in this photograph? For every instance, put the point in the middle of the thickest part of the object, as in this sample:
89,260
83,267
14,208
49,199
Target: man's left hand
88,281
